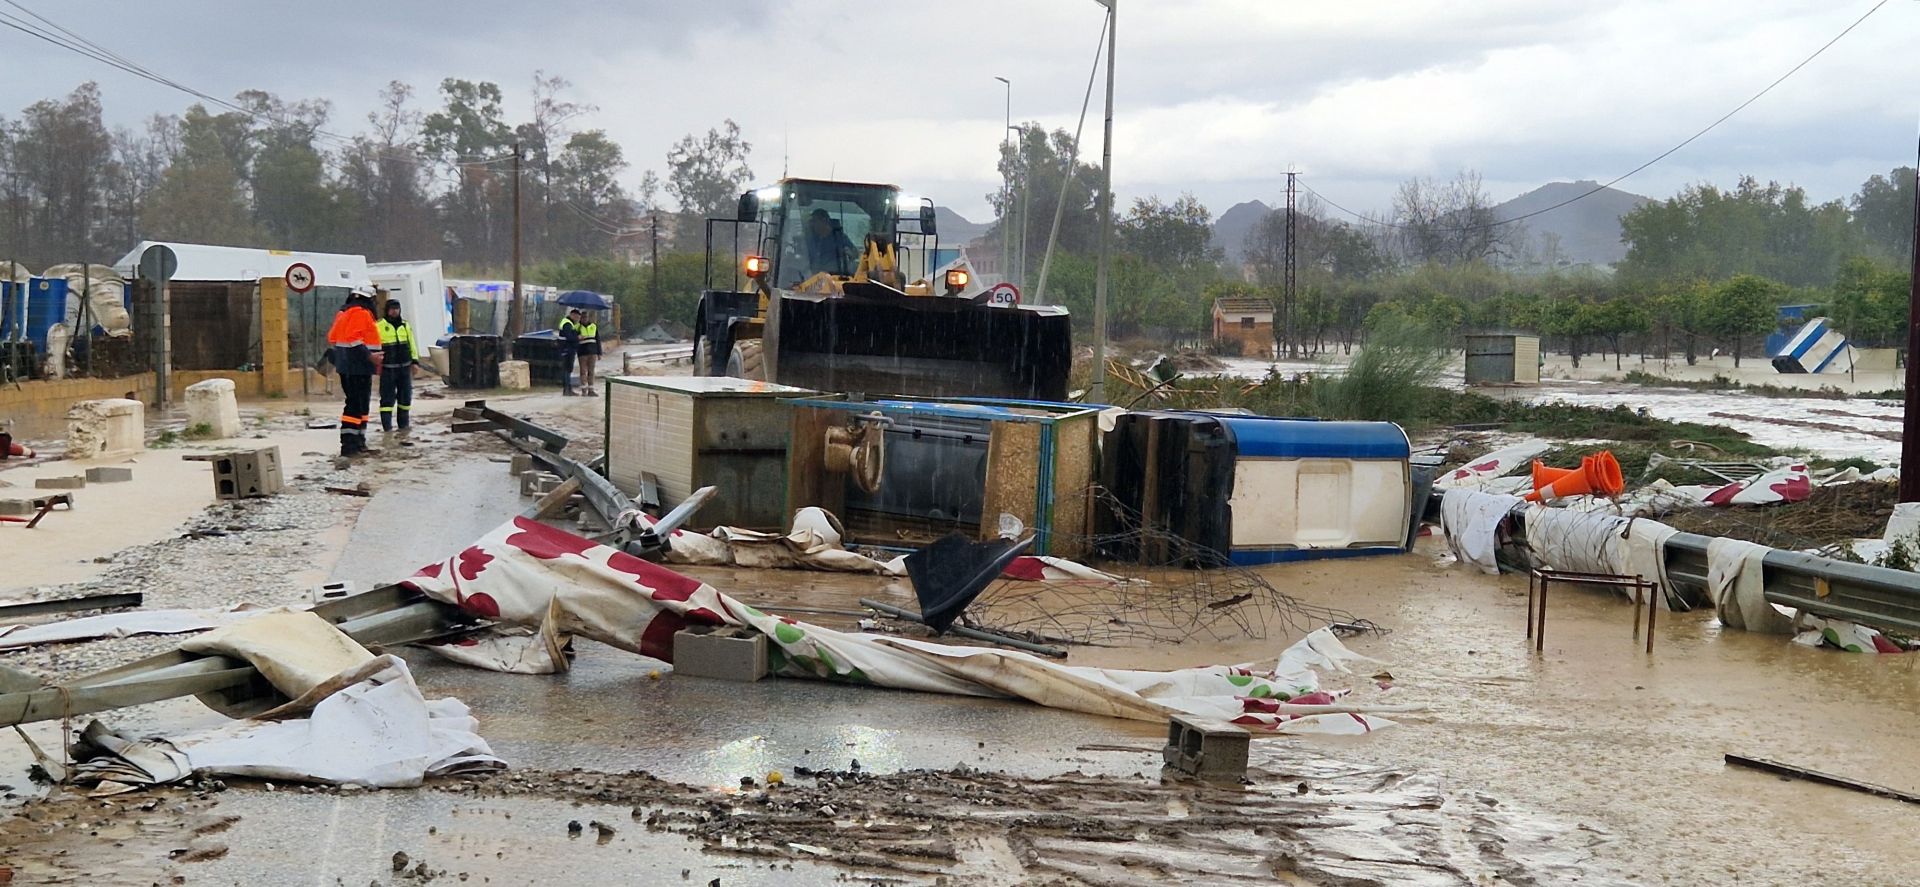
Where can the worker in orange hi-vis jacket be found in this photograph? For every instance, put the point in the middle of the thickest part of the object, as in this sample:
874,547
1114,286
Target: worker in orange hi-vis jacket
355,340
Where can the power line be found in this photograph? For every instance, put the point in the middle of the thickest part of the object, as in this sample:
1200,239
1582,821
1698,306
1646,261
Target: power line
75,43
1656,159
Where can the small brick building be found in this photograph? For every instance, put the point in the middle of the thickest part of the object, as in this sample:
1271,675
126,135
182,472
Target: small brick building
1245,324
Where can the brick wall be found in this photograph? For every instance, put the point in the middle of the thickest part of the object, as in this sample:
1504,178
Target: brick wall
1254,340
51,399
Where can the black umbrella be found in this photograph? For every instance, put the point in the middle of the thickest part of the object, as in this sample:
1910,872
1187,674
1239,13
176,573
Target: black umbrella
587,299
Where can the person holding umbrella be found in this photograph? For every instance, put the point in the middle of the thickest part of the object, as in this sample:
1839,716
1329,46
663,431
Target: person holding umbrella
581,333
589,353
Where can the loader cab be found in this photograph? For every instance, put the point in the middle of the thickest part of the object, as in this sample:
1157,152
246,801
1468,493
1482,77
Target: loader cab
811,227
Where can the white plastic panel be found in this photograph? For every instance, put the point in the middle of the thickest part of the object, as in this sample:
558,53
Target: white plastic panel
1319,503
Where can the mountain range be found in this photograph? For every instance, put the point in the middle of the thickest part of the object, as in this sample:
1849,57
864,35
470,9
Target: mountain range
1585,232
955,228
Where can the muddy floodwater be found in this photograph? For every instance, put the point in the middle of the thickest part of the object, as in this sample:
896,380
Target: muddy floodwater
1594,732
1593,762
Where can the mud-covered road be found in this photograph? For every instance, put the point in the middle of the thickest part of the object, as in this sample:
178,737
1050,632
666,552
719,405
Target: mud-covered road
1592,763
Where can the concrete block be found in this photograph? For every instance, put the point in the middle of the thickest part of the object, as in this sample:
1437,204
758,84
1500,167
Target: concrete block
248,474
538,483
17,507
69,482
113,426
515,375
520,464
1207,749
730,654
107,474
213,403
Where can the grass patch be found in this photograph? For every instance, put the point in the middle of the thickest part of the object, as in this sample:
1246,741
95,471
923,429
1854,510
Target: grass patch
198,431
1828,519
1387,380
1759,389
166,438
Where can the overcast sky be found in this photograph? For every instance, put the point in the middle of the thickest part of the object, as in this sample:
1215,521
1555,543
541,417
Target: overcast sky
1216,97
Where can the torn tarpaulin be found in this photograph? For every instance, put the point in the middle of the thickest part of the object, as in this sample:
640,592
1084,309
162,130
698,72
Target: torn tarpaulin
377,730
816,543
352,718
526,572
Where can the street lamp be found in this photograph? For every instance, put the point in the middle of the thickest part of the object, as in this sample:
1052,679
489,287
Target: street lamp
1006,192
1026,202
1099,393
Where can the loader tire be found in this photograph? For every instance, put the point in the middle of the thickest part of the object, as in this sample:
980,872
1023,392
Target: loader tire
745,361
703,356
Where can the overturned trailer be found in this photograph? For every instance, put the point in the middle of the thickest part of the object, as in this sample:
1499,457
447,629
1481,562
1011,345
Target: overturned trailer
1255,489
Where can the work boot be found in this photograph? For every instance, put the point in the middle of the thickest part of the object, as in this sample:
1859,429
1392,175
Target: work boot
567,390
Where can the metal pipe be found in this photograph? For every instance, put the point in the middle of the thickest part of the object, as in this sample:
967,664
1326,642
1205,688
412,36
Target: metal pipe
965,632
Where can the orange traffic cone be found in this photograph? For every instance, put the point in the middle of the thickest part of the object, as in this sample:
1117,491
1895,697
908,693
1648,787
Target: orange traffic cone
1598,475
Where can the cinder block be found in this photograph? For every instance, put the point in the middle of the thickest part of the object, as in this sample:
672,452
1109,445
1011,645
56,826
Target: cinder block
520,464
107,474
106,427
538,483
212,403
730,654
1209,750
333,589
516,375
69,482
248,474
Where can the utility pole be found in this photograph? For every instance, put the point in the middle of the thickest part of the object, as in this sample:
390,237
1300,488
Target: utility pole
1099,394
1006,195
1910,427
1026,203
516,313
1290,268
655,237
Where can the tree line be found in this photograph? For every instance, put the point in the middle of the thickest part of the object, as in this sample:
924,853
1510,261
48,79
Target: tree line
1705,269
432,179
418,180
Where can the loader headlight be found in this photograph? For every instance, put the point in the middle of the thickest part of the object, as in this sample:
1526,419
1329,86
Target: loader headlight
957,279
757,266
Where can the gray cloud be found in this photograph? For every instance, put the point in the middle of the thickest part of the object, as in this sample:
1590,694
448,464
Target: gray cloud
1217,97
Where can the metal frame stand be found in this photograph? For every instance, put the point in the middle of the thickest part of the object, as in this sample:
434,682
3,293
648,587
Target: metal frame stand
1643,591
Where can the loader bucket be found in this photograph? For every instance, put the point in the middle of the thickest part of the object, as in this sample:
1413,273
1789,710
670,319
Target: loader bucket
926,346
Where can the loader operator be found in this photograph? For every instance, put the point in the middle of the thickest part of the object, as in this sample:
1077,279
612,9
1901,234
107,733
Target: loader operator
828,248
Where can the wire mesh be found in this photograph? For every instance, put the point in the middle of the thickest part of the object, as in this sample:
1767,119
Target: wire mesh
1159,599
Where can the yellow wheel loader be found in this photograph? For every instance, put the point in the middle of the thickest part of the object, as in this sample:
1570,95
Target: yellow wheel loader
832,289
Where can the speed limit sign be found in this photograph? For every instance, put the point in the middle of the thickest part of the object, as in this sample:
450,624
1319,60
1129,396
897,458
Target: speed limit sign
1004,294
299,277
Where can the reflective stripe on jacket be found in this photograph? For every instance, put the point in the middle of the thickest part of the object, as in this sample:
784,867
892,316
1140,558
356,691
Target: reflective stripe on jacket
398,342
353,337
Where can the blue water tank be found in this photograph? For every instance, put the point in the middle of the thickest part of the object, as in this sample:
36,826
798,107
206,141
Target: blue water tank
9,309
46,306
1259,490
1278,438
